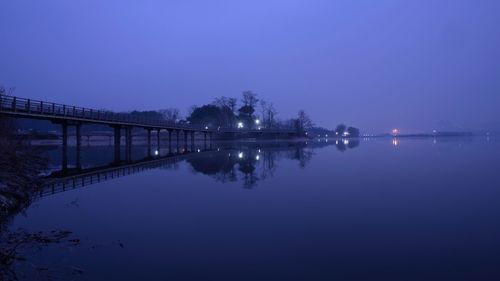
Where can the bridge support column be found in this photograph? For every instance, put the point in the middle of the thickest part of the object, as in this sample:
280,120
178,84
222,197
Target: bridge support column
185,140
192,140
158,141
170,141
78,128
128,143
117,135
64,146
210,137
177,139
149,142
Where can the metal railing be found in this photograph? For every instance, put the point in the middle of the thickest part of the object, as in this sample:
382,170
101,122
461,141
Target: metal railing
23,106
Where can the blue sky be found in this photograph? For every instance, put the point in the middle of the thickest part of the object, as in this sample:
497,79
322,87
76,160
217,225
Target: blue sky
372,64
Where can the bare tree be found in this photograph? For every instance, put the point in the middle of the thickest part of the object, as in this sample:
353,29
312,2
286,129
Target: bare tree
304,121
5,91
249,99
270,115
170,114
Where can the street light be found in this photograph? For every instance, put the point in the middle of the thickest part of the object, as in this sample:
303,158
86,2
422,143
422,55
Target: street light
240,125
257,121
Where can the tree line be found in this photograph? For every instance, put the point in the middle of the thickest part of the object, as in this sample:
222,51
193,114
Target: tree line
249,112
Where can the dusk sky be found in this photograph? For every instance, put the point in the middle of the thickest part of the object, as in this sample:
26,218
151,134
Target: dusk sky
371,64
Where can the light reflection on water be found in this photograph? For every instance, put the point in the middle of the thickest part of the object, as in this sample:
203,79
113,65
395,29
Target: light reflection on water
342,209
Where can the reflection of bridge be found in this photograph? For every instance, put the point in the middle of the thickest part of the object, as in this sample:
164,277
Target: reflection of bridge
67,115
60,181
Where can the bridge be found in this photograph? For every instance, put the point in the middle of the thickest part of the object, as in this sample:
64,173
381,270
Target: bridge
68,115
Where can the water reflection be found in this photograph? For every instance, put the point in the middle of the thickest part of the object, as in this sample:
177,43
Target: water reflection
32,173
248,163
344,144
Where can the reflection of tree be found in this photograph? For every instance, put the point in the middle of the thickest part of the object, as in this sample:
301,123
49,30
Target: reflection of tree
302,155
248,164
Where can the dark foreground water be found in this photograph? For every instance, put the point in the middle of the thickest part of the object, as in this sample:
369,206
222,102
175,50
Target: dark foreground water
408,209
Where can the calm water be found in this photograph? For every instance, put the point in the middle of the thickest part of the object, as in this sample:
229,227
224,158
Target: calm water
412,209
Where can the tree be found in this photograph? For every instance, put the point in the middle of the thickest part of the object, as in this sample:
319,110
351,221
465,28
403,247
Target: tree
207,115
170,114
340,129
249,99
227,107
5,91
353,132
268,113
304,121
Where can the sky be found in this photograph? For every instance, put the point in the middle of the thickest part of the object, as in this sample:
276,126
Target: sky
376,65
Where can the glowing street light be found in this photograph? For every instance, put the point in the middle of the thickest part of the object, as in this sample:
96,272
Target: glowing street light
206,127
257,157
240,125
240,155
157,152
395,131
257,121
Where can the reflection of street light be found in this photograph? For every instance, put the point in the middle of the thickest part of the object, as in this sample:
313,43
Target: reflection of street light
157,152
257,121
240,155
240,125
257,157
206,127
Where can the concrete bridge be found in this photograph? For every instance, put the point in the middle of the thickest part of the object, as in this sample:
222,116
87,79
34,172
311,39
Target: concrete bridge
68,115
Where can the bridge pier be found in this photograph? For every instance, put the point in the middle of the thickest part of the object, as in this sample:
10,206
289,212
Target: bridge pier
117,135
128,143
185,140
149,142
210,137
192,140
78,128
64,146
177,140
169,141
158,141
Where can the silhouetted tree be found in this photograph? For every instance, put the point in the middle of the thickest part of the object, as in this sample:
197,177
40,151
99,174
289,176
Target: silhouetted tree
207,115
341,128
170,114
249,99
353,132
304,121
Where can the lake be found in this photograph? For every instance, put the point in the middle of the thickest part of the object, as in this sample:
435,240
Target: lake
373,209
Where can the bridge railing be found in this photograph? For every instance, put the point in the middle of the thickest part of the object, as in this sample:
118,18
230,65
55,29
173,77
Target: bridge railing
37,107
30,106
